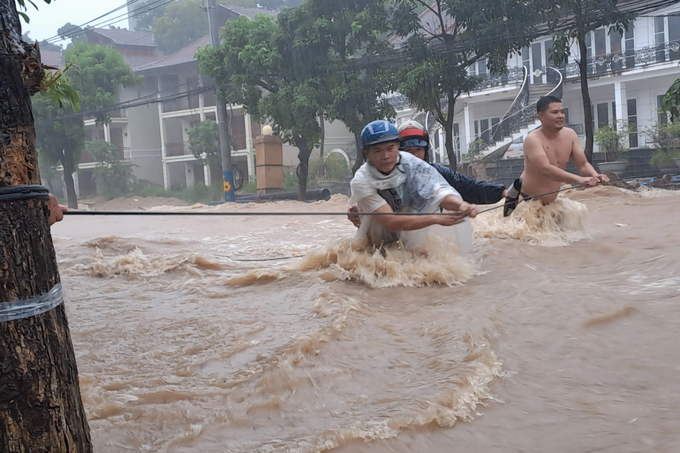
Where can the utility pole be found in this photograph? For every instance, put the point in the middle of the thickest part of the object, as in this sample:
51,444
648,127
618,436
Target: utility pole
41,409
222,115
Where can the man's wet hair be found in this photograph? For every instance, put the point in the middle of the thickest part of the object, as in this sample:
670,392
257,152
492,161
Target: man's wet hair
543,103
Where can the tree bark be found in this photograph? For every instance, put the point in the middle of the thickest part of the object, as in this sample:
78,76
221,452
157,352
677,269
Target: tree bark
585,95
322,125
447,124
360,153
40,404
303,167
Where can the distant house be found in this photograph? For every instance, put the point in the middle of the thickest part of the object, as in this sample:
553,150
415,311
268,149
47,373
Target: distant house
153,134
192,100
138,47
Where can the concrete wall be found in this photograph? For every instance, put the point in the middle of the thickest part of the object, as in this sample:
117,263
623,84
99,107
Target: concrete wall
143,132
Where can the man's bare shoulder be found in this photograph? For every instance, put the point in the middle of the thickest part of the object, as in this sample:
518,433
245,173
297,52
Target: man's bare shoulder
533,137
569,133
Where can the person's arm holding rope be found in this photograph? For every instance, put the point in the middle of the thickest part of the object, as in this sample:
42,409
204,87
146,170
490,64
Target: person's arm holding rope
411,223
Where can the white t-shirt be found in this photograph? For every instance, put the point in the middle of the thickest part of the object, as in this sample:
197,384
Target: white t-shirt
420,186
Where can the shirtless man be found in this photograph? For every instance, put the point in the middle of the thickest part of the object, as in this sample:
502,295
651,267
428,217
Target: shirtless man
547,151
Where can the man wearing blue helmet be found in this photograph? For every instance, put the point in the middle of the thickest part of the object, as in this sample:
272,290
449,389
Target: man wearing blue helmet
393,181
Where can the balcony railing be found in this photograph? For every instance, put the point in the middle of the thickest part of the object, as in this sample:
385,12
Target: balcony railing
190,101
627,60
113,114
514,76
177,149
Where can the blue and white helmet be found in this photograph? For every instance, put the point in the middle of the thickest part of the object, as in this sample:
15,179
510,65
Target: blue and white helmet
380,131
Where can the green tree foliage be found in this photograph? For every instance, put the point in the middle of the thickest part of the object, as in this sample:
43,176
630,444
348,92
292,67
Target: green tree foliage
60,136
23,7
113,176
59,129
145,12
182,22
97,73
666,139
578,18
94,76
671,101
337,34
258,66
204,142
57,88
456,35
611,140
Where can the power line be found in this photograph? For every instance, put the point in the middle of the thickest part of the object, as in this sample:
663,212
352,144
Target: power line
114,20
137,102
342,214
67,32
185,19
397,57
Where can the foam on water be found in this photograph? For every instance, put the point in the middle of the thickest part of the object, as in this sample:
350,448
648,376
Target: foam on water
554,225
137,264
437,263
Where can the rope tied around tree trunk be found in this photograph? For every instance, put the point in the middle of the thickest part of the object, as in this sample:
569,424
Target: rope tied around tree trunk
22,193
21,309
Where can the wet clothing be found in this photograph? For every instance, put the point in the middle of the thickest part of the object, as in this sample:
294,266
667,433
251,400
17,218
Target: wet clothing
412,186
472,190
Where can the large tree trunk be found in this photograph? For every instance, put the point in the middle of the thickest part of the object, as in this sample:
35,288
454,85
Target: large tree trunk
40,405
585,95
450,151
360,153
302,171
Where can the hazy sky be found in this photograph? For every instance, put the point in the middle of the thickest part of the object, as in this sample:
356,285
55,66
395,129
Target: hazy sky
45,21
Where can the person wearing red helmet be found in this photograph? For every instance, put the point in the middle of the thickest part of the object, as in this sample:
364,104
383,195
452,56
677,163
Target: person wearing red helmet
415,140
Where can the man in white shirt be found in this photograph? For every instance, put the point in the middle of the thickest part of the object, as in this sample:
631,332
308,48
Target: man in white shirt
391,181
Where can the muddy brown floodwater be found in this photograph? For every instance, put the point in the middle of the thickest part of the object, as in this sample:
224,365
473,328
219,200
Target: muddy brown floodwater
558,332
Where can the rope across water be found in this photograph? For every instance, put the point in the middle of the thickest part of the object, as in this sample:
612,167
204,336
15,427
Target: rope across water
294,213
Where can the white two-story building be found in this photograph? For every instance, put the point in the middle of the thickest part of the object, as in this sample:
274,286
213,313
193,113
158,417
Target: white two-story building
628,76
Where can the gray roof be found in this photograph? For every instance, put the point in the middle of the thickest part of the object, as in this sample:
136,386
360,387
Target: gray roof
249,12
184,55
136,61
127,37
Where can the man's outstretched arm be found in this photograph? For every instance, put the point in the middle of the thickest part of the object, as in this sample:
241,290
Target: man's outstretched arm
578,156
